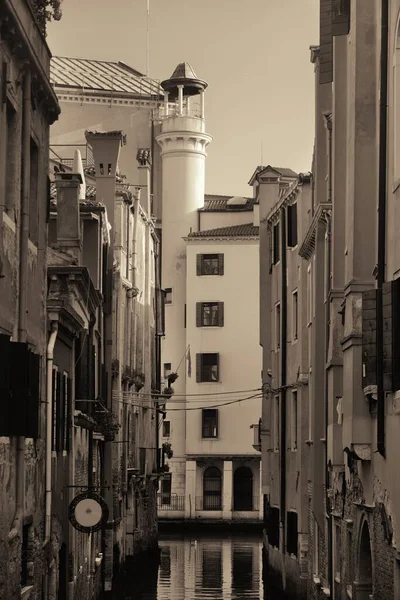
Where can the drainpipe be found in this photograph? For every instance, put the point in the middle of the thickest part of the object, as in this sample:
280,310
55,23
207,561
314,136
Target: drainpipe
283,378
382,185
23,292
49,428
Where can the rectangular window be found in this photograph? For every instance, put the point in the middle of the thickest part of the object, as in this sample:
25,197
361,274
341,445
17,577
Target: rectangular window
292,226
33,199
166,429
210,423
295,316
276,423
210,264
293,421
184,316
273,526
276,249
277,326
207,367
167,370
292,534
209,314
166,486
338,552
10,146
168,295
309,295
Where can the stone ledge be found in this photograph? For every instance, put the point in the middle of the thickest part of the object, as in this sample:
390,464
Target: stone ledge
26,592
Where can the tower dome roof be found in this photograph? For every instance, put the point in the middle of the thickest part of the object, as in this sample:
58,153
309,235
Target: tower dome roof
183,75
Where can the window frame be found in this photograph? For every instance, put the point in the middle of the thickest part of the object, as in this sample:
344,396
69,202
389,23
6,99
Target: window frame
295,316
201,261
167,372
200,314
200,367
166,496
292,225
276,238
294,421
168,291
214,427
277,419
164,434
277,326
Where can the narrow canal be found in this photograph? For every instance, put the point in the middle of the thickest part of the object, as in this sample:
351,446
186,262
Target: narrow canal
198,567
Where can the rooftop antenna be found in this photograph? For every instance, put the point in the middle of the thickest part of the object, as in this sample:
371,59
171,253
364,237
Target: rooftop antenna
148,39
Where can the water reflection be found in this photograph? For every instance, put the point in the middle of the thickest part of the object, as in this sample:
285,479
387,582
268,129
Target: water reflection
199,567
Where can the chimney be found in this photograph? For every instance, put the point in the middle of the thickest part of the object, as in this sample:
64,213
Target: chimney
143,157
106,147
268,191
68,216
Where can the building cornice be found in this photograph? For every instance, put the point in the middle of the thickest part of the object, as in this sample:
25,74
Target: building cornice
289,196
322,213
77,95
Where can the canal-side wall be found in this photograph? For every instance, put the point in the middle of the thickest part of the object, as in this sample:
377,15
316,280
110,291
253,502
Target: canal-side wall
282,572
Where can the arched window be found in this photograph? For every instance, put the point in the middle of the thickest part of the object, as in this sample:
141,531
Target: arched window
365,563
243,489
396,107
212,489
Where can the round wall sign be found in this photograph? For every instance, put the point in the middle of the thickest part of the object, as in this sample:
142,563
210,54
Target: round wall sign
87,512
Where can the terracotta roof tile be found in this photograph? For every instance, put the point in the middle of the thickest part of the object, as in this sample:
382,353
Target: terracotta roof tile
219,203
247,230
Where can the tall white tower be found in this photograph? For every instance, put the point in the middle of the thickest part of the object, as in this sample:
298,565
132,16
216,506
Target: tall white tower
183,143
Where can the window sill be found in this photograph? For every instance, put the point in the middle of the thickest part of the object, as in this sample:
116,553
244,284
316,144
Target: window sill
208,382
210,326
317,580
211,439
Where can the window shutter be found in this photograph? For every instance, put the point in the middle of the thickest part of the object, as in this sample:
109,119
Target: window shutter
387,336
69,409
396,334
199,261
217,422
199,310
57,408
369,337
20,363
32,422
218,367
325,42
220,314
5,399
340,17
198,368
220,264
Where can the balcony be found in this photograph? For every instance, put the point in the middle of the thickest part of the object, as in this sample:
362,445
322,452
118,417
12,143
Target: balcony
170,502
257,436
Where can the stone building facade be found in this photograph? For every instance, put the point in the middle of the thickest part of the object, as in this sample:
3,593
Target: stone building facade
350,252
28,107
113,359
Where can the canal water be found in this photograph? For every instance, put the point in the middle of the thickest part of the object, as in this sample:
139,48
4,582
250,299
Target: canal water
202,567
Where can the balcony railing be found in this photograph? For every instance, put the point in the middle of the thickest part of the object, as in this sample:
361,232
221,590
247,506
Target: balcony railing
209,502
170,502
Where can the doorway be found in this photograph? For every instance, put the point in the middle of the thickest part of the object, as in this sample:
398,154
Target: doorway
243,489
364,584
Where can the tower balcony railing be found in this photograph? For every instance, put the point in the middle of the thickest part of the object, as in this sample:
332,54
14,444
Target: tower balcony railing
172,110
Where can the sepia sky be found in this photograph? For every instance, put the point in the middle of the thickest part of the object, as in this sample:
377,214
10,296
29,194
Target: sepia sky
254,54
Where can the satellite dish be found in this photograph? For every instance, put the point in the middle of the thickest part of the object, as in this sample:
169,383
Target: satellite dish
88,512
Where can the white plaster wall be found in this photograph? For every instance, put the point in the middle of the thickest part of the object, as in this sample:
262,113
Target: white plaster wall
212,220
237,343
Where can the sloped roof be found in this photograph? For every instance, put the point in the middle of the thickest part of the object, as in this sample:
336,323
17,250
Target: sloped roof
184,71
101,76
215,203
247,230
283,171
